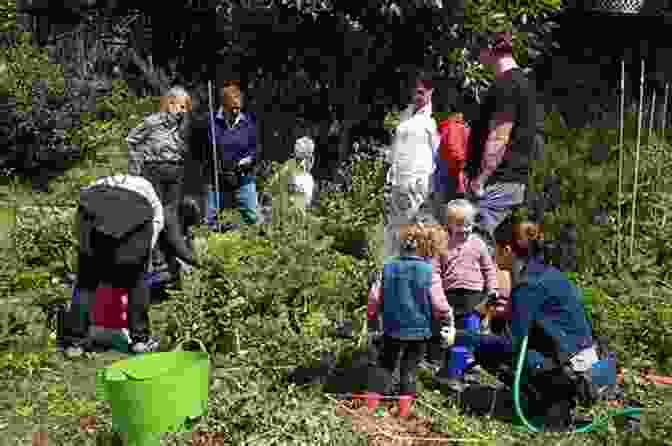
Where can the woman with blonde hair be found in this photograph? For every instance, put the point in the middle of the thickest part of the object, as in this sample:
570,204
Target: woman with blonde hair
157,146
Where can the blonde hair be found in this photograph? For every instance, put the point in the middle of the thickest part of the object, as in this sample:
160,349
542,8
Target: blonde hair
175,93
430,240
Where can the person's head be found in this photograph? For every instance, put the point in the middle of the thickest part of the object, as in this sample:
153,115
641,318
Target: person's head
459,217
423,88
499,47
423,240
304,151
231,97
176,100
513,239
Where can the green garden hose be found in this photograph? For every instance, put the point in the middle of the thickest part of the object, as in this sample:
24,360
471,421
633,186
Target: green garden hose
530,427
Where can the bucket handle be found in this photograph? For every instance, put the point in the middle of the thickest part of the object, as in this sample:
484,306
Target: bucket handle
178,347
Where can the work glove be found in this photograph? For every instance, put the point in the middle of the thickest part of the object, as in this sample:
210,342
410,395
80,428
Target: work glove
448,333
476,187
374,331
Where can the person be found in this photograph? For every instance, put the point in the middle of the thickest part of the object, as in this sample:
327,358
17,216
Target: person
157,147
546,307
412,166
293,186
119,220
503,137
469,278
449,178
411,295
236,139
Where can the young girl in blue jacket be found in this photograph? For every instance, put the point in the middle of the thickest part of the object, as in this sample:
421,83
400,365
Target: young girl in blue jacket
411,295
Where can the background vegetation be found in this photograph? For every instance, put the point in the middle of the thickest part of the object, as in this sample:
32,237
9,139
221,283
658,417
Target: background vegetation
266,301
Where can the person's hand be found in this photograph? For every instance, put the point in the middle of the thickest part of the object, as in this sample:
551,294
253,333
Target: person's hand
492,298
475,186
448,335
245,161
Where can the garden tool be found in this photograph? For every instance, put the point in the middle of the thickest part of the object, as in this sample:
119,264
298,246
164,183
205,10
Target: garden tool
211,202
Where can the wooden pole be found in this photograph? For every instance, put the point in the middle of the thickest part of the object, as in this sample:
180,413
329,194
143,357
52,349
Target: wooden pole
663,127
635,185
651,116
621,126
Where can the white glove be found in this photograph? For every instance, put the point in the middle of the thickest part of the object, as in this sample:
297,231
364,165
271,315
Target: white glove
245,161
448,335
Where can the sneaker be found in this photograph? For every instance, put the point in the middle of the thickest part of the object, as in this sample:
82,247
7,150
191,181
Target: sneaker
431,366
145,345
73,351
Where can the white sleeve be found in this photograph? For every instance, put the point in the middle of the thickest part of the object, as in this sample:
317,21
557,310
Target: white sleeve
159,220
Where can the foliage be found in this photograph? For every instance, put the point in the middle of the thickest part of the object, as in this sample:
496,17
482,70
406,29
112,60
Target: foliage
7,16
26,64
290,270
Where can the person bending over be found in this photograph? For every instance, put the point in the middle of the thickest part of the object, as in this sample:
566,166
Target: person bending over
120,219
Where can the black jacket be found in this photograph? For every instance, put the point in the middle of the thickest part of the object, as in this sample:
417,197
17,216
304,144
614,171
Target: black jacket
125,217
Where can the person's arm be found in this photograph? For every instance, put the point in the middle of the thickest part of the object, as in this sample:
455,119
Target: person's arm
440,307
375,299
147,190
497,142
135,139
488,267
172,239
526,302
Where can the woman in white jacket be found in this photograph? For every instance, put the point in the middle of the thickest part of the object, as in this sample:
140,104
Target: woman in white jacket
412,165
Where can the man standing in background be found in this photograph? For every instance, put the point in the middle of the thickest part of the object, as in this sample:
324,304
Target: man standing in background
503,138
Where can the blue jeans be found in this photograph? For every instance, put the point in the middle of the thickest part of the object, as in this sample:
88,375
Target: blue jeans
244,198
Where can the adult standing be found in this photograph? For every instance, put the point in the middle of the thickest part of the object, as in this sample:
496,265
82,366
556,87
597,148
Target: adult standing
236,140
157,146
412,164
503,137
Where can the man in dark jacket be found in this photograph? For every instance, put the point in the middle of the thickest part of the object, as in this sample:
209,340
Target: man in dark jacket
120,219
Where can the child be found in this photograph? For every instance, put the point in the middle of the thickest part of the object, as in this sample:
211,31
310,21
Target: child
156,147
411,293
469,278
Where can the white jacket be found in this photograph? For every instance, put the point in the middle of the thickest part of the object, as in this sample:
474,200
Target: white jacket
412,153
143,187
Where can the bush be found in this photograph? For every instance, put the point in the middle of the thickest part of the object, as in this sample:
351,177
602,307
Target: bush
290,272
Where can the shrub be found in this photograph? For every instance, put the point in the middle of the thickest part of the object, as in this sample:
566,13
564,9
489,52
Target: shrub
290,272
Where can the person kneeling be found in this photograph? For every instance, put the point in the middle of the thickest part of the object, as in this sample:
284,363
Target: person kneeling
120,219
545,308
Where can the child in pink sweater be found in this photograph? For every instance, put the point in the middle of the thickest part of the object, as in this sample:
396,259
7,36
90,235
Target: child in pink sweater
469,278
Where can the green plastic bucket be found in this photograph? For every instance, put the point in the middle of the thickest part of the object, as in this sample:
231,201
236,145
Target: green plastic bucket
156,393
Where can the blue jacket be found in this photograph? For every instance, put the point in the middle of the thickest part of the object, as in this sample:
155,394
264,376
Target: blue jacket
551,297
407,301
235,143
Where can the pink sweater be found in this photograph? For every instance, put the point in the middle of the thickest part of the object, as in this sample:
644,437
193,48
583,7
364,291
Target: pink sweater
468,265
441,310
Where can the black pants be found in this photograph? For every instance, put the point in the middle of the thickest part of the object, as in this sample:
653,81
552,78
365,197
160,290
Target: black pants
102,268
167,179
411,353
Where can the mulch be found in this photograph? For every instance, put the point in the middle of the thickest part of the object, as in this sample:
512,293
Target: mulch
390,429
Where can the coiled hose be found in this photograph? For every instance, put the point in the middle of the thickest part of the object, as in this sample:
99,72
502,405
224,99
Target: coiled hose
529,426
